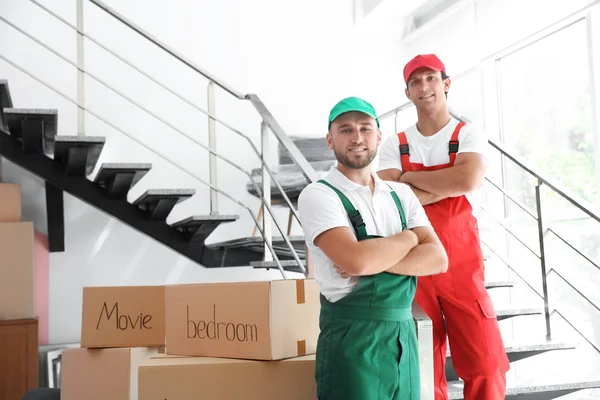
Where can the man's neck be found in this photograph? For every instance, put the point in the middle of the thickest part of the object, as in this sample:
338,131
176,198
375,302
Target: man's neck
431,123
360,176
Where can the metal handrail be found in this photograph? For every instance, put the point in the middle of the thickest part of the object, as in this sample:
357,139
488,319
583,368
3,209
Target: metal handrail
165,158
574,288
191,138
558,188
541,180
508,264
576,330
297,156
535,253
260,107
573,248
155,81
161,45
511,198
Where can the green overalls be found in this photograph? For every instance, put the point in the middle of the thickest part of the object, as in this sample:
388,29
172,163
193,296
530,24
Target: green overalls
367,348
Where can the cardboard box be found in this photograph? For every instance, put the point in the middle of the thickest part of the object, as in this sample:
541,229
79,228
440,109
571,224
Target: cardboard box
251,320
123,316
101,374
10,203
17,270
220,378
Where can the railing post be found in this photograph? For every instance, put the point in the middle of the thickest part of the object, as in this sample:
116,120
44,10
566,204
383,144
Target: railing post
80,74
540,223
266,189
212,144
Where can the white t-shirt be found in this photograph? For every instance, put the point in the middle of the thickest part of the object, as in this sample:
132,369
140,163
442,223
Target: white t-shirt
433,150
321,209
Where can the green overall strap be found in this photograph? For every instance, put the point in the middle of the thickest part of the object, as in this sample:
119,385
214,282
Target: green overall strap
355,218
399,206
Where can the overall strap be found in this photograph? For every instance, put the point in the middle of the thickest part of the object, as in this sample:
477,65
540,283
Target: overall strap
453,145
404,151
399,206
355,218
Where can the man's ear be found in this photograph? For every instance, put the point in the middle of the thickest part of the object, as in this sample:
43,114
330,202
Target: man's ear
447,84
407,93
329,140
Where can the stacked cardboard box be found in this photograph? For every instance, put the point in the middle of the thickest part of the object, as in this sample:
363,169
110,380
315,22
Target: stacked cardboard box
16,257
252,340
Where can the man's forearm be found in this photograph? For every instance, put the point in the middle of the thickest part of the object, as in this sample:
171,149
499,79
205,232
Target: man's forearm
424,259
425,198
447,182
377,255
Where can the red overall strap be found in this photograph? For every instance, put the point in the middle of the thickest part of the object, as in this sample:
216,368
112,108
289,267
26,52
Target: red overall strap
453,145
404,152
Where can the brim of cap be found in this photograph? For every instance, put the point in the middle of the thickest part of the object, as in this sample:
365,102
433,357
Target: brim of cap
436,69
333,118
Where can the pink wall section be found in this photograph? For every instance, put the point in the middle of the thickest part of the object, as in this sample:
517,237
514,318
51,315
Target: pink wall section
42,276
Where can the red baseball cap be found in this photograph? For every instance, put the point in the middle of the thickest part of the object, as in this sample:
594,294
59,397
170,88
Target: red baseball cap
423,60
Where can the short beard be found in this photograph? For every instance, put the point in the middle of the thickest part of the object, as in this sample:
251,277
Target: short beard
345,161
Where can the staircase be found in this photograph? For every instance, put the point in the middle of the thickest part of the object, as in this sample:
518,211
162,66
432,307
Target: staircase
30,139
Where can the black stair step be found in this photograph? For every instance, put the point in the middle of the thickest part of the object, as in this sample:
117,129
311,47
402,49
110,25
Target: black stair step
78,154
499,284
288,265
256,244
5,102
157,204
530,392
118,179
515,353
198,227
503,314
36,128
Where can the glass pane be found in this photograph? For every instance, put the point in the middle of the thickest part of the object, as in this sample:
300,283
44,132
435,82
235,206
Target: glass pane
547,109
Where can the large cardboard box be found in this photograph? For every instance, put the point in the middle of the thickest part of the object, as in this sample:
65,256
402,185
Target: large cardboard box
101,374
10,202
251,320
17,270
221,378
123,316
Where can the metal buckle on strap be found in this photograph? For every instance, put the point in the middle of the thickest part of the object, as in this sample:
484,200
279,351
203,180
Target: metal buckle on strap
453,146
404,149
356,219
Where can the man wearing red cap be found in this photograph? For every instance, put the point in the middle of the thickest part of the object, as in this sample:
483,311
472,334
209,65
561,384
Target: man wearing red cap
443,161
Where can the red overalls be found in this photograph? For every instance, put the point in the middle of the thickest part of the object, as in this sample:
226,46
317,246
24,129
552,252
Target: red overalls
457,301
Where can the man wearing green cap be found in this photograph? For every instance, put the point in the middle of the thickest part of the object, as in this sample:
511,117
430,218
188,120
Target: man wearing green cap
369,240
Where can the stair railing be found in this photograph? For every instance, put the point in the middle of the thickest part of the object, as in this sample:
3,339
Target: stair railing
268,123
540,180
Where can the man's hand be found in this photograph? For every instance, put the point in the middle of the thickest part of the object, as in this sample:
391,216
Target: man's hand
425,198
395,175
427,258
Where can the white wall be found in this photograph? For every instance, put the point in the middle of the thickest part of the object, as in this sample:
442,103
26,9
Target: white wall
300,57
297,57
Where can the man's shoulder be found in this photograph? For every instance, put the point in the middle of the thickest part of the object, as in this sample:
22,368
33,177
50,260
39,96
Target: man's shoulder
467,126
315,190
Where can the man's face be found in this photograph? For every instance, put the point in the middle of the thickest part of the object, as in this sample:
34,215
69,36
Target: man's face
354,138
427,90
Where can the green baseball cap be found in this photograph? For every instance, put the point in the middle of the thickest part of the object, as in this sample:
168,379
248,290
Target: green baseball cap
352,104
